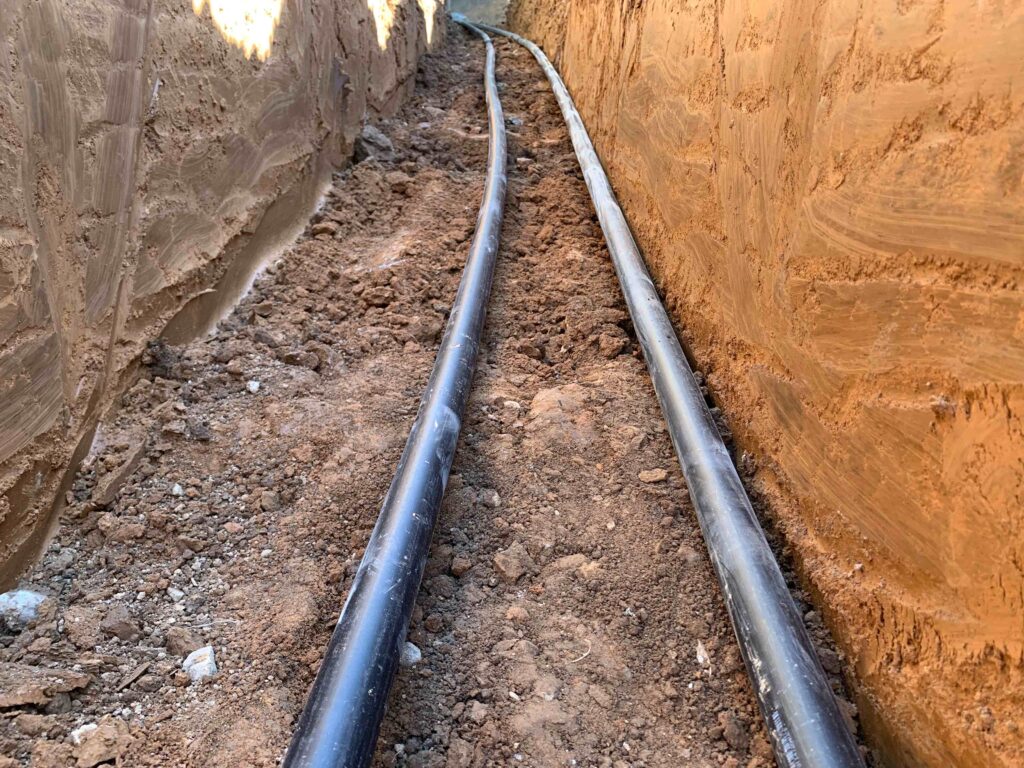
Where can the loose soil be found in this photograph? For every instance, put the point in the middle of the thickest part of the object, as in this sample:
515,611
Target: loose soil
569,614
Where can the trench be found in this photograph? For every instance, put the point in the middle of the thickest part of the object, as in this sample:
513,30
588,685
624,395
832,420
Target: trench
569,611
832,216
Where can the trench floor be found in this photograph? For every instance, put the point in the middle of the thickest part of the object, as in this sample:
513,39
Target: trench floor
569,615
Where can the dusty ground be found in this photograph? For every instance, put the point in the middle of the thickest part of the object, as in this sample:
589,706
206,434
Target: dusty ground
569,615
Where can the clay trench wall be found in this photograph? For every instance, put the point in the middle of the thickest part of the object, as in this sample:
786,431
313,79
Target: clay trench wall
829,194
143,161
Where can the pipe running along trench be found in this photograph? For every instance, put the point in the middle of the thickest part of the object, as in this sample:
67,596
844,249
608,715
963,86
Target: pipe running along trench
799,708
341,720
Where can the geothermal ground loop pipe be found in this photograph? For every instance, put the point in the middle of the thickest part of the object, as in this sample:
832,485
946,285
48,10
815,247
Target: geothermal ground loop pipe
801,712
342,716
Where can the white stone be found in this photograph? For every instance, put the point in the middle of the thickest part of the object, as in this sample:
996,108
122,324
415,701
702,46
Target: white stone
79,734
411,655
175,594
253,386
200,664
19,607
702,655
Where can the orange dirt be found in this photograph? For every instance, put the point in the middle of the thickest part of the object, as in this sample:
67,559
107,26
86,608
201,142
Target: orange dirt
831,196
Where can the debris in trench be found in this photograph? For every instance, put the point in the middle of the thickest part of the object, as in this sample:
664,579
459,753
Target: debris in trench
653,475
410,656
100,742
200,664
24,684
19,608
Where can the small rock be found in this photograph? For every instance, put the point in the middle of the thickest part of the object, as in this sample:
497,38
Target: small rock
232,527
265,336
460,753
490,498
60,704
107,524
270,501
530,349
108,485
149,683
252,386
34,725
82,625
689,555
589,570
702,654
512,563
609,346
326,227
177,490
82,732
398,181
411,655
104,742
734,731
119,623
653,476
517,614
23,684
19,608
181,641
477,711
48,754
372,141
830,661
460,565
175,594
200,664
600,695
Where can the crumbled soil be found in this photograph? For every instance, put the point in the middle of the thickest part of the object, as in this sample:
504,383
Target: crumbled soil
569,614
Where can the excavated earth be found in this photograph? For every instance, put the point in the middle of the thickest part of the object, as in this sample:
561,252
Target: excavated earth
569,614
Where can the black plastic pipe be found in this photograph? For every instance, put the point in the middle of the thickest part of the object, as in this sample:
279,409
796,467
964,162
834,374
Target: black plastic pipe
341,720
799,708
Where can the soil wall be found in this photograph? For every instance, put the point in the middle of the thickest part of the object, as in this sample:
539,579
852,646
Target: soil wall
145,160
830,196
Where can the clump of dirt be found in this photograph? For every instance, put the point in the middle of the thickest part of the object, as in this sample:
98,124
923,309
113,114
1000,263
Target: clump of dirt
569,613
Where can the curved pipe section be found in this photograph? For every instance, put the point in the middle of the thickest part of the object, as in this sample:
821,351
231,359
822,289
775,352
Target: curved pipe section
799,708
341,719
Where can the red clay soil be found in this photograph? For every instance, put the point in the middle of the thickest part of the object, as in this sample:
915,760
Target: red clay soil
569,614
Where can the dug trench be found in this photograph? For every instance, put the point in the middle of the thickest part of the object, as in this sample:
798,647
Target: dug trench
569,614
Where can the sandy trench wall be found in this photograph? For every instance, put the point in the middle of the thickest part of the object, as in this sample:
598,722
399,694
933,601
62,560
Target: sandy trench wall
831,196
143,161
